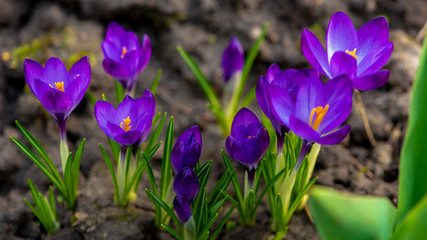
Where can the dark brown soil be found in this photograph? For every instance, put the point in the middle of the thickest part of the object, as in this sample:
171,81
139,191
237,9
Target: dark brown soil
71,28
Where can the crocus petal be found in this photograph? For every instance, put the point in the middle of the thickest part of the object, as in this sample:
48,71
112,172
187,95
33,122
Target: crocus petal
343,63
371,81
104,110
55,71
57,103
310,94
236,151
182,209
232,59
78,78
314,52
131,41
130,61
115,69
127,108
272,71
282,104
144,53
302,129
33,71
244,118
39,88
111,50
374,61
115,33
372,37
186,184
334,137
340,35
127,138
338,112
262,92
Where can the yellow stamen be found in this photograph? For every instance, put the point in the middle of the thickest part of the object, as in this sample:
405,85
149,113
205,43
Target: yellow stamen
124,51
59,86
249,137
320,114
127,126
352,53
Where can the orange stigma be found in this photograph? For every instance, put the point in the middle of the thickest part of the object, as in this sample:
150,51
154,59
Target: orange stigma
249,137
320,113
124,51
352,53
59,86
127,126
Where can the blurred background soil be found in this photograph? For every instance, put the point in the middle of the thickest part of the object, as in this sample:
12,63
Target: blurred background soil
70,29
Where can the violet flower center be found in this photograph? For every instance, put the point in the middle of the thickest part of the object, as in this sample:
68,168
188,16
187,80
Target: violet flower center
318,113
352,53
127,126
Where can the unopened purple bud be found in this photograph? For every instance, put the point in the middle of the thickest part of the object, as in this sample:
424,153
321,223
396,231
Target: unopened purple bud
186,184
248,141
187,149
182,208
232,59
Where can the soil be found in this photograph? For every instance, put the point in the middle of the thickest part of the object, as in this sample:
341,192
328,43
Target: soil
69,29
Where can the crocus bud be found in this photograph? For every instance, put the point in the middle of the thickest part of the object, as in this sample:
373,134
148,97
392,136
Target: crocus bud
125,56
248,141
187,149
186,184
182,208
232,59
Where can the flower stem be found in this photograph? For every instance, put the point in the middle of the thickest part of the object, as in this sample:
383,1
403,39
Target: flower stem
231,99
190,230
121,177
63,146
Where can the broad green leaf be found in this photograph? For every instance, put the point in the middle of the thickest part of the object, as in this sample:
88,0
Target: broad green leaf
413,227
413,159
340,216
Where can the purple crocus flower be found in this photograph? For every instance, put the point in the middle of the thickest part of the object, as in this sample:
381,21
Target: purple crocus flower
187,149
316,112
182,209
286,80
130,122
248,141
125,57
57,89
359,55
232,59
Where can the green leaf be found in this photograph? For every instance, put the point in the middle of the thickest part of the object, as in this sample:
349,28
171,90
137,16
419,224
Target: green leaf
120,92
234,181
155,135
248,98
92,99
156,81
76,164
166,170
413,160
413,227
203,81
251,58
345,216
222,223
172,231
111,169
156,201
69,183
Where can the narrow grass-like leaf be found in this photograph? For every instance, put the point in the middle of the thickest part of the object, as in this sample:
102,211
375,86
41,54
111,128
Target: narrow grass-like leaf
269,186
166,170
155,136
251,58
298,199
222,184
120,93
413,159
69,182
234,180
115,149
204,233
248,98
156,81
76,164
222,223
172,231
92,99
162,204
200,77
111,169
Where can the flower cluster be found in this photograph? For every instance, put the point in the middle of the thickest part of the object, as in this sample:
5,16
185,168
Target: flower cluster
184,157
